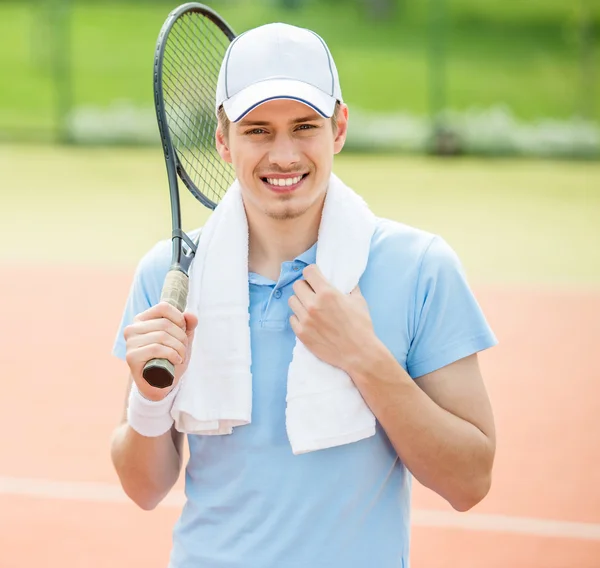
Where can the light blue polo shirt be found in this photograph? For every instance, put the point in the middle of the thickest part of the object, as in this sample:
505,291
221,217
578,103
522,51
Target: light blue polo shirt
250,502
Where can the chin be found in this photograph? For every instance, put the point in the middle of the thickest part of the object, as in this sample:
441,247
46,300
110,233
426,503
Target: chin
285,213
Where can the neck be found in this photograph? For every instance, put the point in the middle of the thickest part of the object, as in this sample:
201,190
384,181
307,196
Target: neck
274,241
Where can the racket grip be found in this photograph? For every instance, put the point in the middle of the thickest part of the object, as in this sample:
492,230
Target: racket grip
160,373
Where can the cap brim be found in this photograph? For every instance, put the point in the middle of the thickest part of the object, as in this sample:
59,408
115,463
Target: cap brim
257,94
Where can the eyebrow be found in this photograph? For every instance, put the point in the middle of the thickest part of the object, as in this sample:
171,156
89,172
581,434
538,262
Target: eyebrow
308,118
245,122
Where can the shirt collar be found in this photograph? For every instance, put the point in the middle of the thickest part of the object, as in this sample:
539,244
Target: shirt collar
309,256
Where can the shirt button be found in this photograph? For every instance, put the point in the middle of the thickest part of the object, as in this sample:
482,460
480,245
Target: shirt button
296,268
277,293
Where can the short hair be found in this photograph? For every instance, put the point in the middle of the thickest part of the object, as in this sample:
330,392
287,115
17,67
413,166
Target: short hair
225,123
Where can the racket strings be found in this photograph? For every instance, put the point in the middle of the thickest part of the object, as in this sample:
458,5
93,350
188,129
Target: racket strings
193,121
196,33
191,61
200,92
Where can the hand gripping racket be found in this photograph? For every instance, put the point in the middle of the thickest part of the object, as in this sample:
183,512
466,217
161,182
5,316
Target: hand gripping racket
189,51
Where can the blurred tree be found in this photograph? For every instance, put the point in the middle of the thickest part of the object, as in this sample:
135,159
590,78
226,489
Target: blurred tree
380,9
291,4
60,16
587,58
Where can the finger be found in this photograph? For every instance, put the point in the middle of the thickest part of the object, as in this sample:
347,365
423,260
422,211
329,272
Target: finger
315,278
158,337
146,353
304,292
191,321
151,326
297,307
163,310
295,324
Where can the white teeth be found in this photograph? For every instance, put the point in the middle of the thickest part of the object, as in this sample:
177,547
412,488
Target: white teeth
283,182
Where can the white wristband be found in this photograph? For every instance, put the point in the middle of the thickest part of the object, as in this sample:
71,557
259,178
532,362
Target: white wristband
148,417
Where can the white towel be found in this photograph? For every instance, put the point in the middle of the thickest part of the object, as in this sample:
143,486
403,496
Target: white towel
324,407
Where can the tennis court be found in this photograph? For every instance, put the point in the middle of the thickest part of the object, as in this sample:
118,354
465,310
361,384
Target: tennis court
529,236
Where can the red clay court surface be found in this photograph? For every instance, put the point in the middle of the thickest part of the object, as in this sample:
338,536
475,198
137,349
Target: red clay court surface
61,506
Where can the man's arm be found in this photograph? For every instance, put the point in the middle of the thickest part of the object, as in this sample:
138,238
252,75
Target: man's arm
148,468
441,424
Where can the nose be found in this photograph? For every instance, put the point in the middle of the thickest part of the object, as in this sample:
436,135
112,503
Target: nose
283,152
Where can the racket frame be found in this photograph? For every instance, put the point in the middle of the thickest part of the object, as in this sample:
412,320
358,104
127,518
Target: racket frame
160,372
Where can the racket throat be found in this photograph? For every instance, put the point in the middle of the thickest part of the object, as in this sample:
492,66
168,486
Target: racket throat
184,250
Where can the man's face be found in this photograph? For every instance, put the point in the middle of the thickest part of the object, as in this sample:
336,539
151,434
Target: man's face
282,153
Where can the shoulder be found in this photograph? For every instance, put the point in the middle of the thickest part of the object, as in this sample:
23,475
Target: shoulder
154,265
394,242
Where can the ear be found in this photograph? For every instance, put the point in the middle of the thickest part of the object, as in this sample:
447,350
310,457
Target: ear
342,129
222,144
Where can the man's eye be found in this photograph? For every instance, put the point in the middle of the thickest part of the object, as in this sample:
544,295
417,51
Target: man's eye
306,126
255,131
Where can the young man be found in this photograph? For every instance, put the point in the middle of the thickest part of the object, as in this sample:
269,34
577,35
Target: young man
408,336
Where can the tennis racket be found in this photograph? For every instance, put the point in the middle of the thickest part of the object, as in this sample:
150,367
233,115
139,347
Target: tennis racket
189,51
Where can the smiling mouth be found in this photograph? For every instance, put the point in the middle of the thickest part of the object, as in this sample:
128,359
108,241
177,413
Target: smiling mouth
287,183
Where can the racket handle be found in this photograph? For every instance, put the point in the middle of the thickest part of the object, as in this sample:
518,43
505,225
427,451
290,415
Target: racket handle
160,373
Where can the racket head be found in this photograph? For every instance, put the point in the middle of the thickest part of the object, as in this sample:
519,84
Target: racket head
189,51
190,48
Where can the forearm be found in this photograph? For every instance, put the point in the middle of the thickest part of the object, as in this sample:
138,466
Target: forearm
444,452
147,467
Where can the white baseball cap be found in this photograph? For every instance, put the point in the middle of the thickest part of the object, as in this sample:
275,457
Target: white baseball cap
277,61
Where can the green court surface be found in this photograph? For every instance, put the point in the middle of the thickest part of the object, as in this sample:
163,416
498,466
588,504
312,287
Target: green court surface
511,221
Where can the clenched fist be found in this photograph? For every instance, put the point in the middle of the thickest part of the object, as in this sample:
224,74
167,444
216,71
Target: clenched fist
163,332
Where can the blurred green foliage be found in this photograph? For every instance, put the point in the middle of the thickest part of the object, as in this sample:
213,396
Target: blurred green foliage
523,54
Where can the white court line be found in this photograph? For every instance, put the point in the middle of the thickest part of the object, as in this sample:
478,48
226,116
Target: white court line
506,524
107,493
76,491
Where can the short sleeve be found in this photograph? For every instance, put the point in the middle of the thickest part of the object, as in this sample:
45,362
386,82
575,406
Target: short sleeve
145,289
448,322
